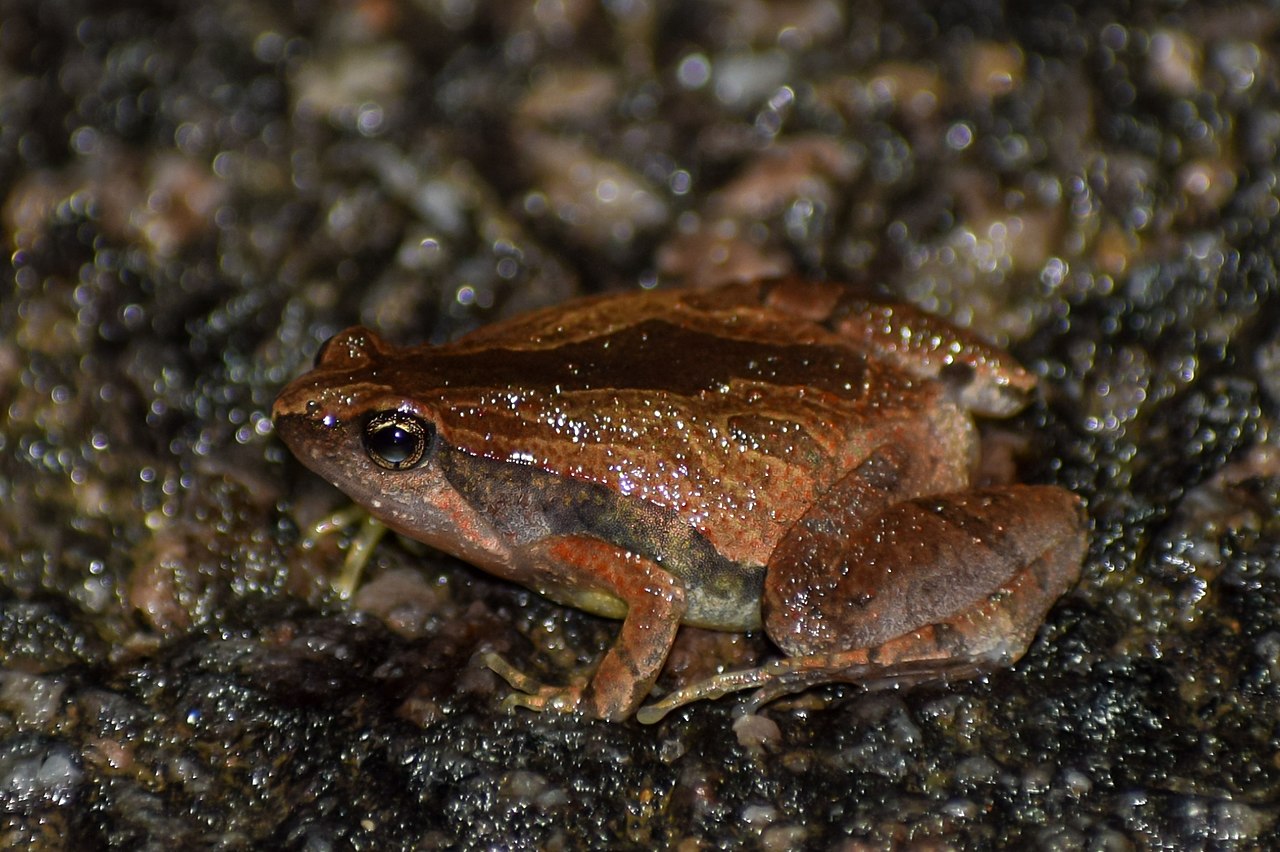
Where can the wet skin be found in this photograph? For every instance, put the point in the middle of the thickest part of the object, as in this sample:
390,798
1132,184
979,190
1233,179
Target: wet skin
785,455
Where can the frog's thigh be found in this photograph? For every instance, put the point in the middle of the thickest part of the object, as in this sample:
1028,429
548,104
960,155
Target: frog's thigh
963,576
581,567
814,568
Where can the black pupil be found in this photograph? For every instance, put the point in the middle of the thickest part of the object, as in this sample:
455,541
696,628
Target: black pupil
393,443
396,441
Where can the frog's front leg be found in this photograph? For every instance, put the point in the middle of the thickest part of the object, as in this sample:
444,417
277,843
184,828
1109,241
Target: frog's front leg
595,575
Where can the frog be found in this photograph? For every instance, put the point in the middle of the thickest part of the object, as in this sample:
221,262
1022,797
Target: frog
789,456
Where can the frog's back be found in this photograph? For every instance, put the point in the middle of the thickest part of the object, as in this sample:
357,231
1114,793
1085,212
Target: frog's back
711,405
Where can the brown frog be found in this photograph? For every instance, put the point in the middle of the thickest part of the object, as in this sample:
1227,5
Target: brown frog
786,455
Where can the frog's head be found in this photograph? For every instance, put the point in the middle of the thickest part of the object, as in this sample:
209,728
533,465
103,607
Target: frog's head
353,421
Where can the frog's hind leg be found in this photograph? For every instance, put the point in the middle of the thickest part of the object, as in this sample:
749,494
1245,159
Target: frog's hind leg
934,589
981,639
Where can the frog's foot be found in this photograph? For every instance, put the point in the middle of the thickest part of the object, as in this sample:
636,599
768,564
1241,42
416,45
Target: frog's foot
709,690
359,551
531,693
796,674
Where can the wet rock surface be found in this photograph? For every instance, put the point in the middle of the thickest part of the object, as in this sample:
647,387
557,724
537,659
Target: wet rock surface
195,196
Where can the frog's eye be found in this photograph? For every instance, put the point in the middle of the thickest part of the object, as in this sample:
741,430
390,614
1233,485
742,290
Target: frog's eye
397,441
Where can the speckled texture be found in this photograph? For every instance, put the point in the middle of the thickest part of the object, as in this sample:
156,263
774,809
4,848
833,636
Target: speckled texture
195,195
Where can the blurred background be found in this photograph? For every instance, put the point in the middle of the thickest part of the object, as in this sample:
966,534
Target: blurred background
196,195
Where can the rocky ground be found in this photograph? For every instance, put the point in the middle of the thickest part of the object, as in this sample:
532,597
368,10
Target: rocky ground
196,195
